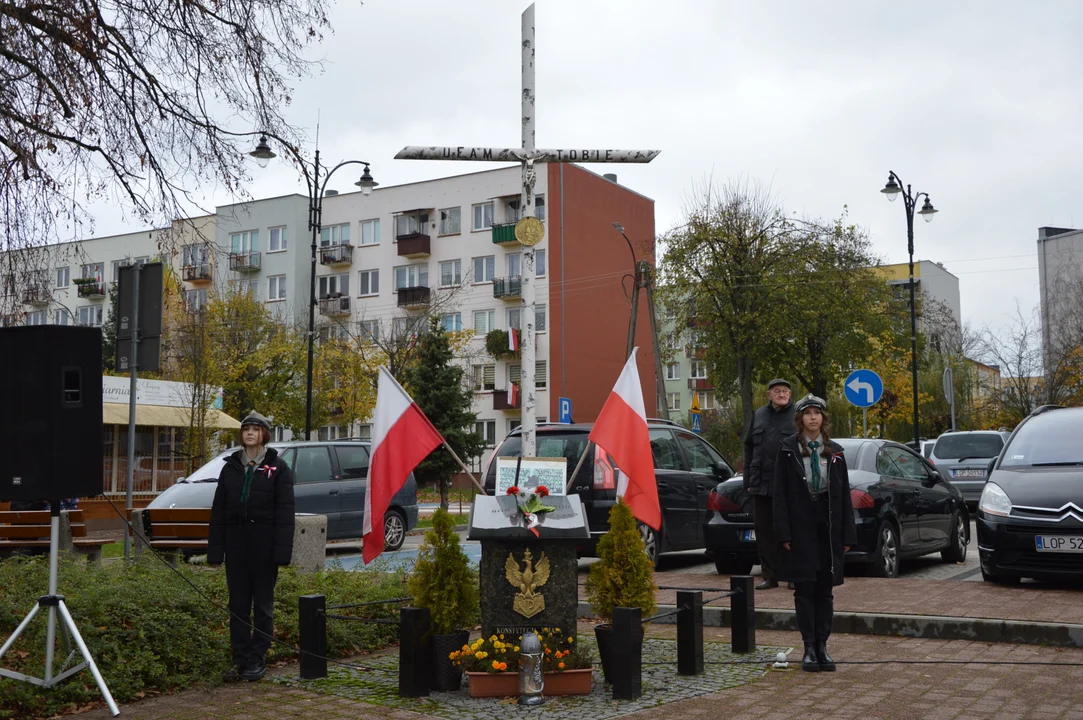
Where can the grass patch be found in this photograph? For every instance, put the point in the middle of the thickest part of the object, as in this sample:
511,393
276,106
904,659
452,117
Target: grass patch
429,494
426,522
113,550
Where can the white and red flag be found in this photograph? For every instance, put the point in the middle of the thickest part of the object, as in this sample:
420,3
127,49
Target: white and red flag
513,395
401,438
621,430
513,339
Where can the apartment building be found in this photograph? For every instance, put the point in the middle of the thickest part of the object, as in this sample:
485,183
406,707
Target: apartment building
931,280
1060,269
386,260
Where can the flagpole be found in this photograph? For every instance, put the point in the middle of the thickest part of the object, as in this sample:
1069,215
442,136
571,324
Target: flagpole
465,469
582,459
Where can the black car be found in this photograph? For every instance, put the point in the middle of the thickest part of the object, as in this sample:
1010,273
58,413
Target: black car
903,508
1030,515
330,478
686,467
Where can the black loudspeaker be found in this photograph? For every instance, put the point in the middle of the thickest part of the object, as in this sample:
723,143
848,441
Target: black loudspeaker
51,422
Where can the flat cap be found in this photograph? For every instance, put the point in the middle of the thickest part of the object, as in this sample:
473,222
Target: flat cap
778,381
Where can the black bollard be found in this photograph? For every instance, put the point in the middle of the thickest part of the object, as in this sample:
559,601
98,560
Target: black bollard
743,614
627,676
415,662
313,629
690,632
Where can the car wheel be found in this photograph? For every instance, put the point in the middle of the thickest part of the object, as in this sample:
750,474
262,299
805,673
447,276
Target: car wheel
394,530
727,566
885,562
956,550
1000,579
652,541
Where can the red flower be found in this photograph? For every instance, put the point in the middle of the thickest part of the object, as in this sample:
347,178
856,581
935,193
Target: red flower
513,490
542,491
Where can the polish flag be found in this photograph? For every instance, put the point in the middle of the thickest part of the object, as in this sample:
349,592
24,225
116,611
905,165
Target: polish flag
513,395
401,438
621,430
513,339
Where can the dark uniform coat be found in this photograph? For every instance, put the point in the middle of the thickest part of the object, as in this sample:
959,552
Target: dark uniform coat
795,514
261,530
769,425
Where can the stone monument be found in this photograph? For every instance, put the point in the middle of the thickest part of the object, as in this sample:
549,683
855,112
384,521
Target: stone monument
529,568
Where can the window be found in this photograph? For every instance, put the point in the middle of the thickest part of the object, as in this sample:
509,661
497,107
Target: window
370,329
706,400
334,285
515,264
353,460
450,221
539,263
673,371
908,464
62,317
94,271
452,322
368,282
333,332
484,377
514,317
701,456
539,207
244,242
673,401
277,242
246,286
276,288
539,318
194,255
487,431
405,326
364,432
414,223
484,321
411,276
698,370
63,276
515,374
36,318
672,341
483,216
313,464
335,235
667,456
370,232
451,273
195,300
484,268
116,269
90,315
968,445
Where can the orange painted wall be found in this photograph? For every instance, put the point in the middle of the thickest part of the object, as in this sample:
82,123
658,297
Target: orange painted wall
589,308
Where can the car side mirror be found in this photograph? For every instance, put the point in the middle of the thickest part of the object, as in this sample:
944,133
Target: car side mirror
722,471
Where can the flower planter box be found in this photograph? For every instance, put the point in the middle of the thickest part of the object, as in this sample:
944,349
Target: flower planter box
506,684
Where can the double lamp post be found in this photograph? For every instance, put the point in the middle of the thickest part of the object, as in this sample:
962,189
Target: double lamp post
893,189
316,178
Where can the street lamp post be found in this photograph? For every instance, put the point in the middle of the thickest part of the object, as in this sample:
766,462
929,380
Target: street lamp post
892,189
316,188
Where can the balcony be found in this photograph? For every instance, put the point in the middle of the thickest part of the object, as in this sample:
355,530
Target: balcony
37,294
700,384
197,273
336,254
413,245
334,307
245,262
500,401
412,297
504,234
91,290
508,288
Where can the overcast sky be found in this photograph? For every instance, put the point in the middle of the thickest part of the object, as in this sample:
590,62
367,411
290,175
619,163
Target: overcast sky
978,103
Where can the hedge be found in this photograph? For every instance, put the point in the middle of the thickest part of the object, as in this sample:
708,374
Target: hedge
151,632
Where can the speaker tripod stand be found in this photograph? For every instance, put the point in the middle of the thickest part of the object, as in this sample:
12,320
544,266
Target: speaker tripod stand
68,631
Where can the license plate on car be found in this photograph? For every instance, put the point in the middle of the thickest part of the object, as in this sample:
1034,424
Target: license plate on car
748,535
968,473
1058,543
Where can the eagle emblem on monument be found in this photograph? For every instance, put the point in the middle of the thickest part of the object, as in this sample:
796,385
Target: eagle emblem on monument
528,602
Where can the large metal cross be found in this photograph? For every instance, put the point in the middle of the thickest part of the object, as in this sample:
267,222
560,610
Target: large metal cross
527,155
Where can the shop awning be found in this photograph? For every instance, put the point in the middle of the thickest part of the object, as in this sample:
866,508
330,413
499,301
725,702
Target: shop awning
164,416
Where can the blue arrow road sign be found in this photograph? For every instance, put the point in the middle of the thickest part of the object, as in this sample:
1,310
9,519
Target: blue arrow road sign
696,427
565,410
863,388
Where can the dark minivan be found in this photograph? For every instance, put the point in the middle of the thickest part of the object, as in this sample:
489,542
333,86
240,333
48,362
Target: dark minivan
686,467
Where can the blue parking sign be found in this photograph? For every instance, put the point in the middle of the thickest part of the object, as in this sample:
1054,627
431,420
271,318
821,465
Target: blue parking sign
565,410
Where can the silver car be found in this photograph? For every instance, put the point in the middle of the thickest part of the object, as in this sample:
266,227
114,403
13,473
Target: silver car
963,459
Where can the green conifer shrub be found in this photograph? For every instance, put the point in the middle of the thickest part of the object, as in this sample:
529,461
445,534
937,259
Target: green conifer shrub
442,579
623,575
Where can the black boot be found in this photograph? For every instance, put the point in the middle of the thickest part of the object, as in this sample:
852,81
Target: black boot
810,662
255,670
233,674
827,664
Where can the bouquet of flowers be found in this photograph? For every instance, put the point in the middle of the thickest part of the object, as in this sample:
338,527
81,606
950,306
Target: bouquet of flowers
494,654
532,506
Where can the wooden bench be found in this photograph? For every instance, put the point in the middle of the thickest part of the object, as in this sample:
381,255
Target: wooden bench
172,529
26,529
